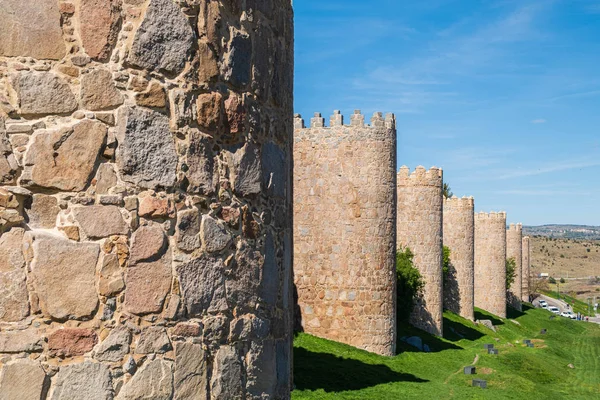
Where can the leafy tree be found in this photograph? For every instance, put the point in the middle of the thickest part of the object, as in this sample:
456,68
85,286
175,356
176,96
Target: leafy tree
446,258
562,280
447,191
536,283
410,283
552,280
511,266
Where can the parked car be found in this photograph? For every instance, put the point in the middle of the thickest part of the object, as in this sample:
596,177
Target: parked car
554,310
543,303
568,314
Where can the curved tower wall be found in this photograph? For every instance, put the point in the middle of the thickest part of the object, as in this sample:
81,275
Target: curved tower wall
344,230
490,262
459,237
145,199
420,228
514,249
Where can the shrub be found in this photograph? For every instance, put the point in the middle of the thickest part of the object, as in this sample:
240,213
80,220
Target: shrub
552,280
562,280
410,283
446,260
511,266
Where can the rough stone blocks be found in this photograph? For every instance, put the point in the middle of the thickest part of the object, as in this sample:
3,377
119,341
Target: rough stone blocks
490,262
420,228
514,250
344,230
145,199
459,237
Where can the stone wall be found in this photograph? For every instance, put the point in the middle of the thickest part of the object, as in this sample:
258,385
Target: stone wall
490,262
344,230
514,249
145,199
526,265
420,228
459,237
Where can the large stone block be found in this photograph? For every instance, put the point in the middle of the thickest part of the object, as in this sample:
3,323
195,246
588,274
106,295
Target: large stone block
71,342
99,26
227,375
146,155
88,380
153,381
23,380
164,40
98,91
43,93
20,341
31,29
65,159
64,275
191,372
14,299
115,346
43,212
201,164
203,285
100,221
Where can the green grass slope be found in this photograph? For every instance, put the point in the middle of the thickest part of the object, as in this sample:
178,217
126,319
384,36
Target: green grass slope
328,370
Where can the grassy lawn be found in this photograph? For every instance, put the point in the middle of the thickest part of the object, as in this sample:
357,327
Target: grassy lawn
329,370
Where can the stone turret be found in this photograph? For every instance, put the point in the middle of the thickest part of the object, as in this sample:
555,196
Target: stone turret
145,199
490,262
459,237
514,250
420,228
526,273
344,229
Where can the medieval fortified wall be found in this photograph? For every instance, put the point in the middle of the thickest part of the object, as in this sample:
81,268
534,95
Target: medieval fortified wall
490,262
459,237
526,266
420,228
344,229
145,194
514,249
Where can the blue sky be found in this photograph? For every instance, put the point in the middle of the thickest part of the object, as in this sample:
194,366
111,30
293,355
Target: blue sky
503,95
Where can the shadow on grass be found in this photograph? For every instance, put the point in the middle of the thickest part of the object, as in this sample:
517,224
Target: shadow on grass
527,306
434,343
455,331
495,320
313,371
513,313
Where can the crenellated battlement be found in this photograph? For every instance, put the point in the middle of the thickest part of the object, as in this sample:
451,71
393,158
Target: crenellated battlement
356,120
466,203
481,216
516,227
420,176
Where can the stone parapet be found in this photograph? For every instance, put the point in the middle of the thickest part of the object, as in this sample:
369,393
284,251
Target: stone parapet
420,228
459,237
145,199
526,269
344,230
490,262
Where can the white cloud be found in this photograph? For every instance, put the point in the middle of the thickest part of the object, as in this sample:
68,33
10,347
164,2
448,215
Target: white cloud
539,121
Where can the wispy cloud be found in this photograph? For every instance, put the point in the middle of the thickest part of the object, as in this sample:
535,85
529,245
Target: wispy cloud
540,192
539,121
589,93
557,167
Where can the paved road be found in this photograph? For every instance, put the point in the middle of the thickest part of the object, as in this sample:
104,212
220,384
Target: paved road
562,306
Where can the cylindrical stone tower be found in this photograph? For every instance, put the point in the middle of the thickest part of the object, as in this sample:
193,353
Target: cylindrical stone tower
344,230
145,171
514,250
420,227
526,269
490,262
459,237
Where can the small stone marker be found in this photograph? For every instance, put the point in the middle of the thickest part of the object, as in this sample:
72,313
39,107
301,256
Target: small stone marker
526,341
530,345
470,370
488,346
493,351
479,383
543,331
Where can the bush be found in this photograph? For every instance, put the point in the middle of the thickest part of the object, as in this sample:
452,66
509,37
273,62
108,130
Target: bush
410,283
446,258
511,266
552,280
562,280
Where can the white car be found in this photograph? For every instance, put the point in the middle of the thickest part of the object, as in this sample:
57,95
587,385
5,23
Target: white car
568,314
554,310
543,303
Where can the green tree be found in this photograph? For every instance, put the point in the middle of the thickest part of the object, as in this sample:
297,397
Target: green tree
410,283
447,191
511,266
446,258
552,280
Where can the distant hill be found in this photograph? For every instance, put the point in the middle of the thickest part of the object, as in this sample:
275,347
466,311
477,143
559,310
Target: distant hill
579,232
